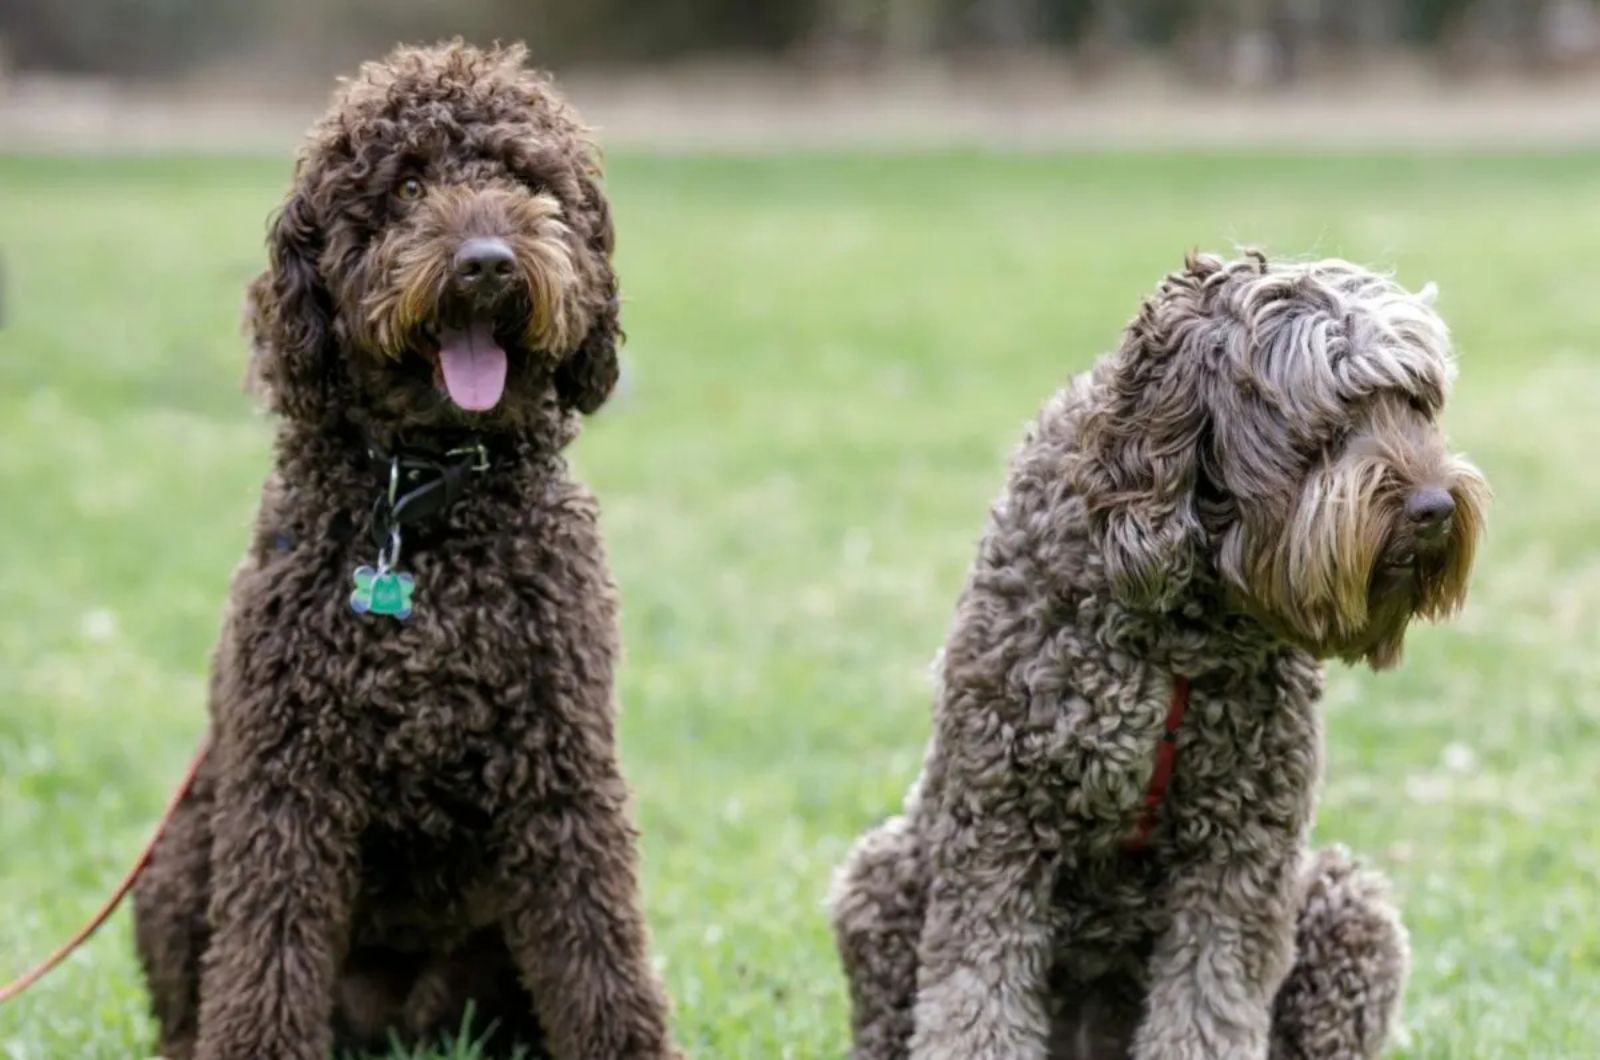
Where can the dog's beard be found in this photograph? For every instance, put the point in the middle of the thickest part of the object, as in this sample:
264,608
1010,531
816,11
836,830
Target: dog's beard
407,309
428,350
1325,575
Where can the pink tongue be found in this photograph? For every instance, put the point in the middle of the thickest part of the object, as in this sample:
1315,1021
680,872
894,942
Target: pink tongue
474,367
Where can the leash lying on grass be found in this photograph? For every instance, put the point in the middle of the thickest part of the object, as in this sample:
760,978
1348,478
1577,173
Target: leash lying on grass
37,972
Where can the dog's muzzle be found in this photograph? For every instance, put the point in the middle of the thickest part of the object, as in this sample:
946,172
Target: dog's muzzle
1431,513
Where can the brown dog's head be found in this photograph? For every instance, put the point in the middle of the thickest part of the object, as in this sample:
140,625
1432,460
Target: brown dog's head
1275,428
443,258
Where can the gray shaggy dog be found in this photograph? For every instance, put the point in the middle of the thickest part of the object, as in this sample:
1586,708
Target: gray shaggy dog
1106,853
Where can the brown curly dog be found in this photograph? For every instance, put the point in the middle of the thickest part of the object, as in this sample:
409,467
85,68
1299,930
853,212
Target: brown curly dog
412,801
1106,854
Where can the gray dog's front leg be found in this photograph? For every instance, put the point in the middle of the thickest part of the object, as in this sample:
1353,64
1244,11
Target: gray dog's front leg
1220,962
986,946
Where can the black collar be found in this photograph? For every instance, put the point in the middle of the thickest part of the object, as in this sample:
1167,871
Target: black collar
419,483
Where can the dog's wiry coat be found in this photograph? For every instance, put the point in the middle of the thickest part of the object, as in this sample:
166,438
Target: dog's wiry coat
1222,498
397,820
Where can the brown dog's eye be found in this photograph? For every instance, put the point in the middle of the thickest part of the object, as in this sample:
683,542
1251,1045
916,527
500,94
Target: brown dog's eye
408,190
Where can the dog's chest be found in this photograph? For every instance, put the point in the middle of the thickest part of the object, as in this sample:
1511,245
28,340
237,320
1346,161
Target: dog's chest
1240,759
453,721
419,889
1140,765
443,714
1242,762
1104,911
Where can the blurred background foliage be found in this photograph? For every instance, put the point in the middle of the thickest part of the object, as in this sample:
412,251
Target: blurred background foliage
1232,42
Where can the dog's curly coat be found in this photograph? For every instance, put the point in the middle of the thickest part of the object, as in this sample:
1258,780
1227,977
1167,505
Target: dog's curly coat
397,819
1253,481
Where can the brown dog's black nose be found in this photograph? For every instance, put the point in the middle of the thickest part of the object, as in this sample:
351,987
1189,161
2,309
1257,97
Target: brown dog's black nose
1430,511
484,269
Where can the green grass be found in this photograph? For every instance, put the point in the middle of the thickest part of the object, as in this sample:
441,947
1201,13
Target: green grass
829,359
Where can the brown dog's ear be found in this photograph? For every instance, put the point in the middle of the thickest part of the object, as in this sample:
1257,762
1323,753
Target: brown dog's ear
586,378
1139,453
289,315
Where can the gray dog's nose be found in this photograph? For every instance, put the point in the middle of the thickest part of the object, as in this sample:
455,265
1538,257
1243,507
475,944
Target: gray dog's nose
484,268
1430,511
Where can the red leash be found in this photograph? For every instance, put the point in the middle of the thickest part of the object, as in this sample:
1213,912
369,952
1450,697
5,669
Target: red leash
37,972
1166,762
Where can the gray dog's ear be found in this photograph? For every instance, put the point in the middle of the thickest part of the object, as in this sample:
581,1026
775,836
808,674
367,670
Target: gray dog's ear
1139,451
586,377
289,315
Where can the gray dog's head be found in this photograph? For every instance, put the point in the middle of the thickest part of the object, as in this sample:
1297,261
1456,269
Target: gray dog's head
1273,428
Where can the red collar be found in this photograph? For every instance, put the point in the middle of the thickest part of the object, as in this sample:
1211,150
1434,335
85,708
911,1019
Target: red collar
1166,760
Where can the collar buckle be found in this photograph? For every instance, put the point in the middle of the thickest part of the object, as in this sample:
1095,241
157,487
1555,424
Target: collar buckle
477,449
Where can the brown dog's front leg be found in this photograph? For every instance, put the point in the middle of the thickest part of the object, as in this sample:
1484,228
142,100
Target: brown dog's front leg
575,928
283,869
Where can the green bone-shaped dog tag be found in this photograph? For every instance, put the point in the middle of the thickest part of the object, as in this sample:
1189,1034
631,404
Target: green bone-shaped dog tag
382,592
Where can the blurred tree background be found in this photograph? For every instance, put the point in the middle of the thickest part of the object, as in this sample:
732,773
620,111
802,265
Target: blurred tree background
1220,42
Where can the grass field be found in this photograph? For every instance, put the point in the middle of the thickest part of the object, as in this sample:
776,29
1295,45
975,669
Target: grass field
829,360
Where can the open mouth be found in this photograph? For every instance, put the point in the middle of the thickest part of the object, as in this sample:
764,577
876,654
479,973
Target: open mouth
472,365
